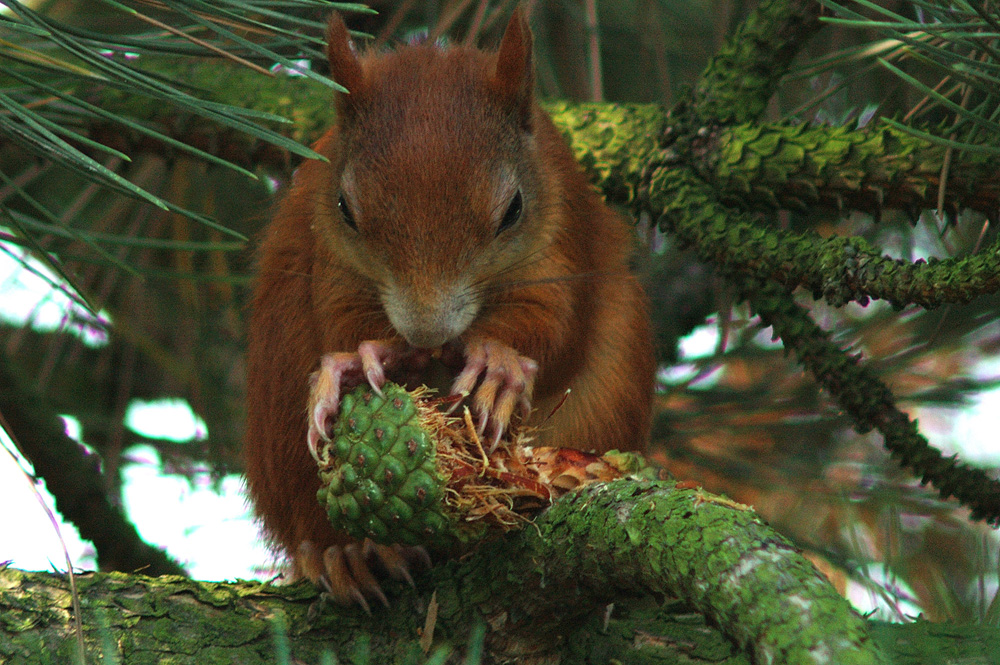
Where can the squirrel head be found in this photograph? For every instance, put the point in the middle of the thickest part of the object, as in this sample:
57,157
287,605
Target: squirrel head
437,195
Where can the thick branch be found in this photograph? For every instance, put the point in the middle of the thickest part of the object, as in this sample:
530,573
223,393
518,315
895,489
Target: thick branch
655,537
799,167
155,620
540,592
774,166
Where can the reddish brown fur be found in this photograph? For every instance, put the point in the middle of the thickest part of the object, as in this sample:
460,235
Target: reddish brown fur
428,129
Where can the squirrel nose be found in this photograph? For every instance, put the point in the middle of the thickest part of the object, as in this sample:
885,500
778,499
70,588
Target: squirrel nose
430,321
426,339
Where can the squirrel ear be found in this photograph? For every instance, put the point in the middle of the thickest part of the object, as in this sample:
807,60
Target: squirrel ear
345,68
514,75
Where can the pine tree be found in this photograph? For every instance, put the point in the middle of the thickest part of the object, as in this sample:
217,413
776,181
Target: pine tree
801,144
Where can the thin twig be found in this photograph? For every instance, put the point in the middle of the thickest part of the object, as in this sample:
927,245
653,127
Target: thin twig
393,23
74,594
448,18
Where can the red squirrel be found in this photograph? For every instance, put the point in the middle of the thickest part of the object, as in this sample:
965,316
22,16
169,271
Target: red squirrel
450,219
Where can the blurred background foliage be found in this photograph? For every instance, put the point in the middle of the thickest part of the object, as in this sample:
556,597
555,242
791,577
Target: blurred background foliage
161,275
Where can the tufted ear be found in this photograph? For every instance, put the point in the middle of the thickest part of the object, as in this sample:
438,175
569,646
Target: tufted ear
514,76
345,68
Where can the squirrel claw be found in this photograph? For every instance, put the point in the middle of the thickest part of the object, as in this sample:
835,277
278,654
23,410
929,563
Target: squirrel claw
354,553
373,356
341,372
456,400
505,382
337,372
524,407
338,581
496,438
312,440
345,571
395,559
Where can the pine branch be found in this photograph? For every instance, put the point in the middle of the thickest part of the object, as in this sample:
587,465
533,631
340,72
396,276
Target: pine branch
802,167
707,550
871,404
143,619
740,80
619,146
839,269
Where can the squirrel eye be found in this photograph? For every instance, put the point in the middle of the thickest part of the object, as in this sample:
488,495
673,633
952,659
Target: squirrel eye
513,213
346,212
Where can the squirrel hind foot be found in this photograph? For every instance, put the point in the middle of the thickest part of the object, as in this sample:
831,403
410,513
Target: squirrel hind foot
347,573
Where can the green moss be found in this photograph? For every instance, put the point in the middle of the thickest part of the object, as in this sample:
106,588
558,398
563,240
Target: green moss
743,75
718,556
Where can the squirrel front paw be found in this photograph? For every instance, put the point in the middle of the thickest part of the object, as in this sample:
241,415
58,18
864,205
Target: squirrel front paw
505,381
345,572
339,373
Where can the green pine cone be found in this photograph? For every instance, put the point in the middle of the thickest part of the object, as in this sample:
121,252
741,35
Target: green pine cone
378,472
398,470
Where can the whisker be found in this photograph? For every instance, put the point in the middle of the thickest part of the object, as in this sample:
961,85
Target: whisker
529,259
516,284
524,304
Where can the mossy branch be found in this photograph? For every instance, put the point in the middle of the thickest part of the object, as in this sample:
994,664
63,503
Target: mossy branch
539,590
717,555
146,620
801,167
870,403
741,78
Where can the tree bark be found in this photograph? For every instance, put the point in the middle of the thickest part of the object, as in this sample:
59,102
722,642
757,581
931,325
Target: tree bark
537,596
538,592
139,620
